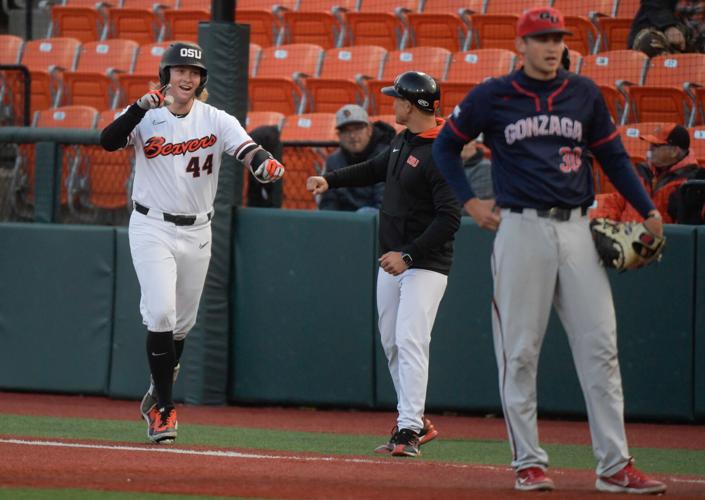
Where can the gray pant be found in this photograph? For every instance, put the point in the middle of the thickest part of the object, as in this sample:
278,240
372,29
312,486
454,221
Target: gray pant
538,262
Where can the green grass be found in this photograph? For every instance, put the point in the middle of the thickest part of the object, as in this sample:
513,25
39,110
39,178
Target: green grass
488,452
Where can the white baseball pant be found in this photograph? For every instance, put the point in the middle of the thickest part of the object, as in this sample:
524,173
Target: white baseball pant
171,263
407,305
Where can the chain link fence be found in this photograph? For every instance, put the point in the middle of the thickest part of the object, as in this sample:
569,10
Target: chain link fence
94,186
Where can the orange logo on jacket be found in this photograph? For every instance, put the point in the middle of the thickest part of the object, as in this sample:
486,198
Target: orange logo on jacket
413,161
156,146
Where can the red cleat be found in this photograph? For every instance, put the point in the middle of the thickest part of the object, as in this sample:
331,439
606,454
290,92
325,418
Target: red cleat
630,480
533,479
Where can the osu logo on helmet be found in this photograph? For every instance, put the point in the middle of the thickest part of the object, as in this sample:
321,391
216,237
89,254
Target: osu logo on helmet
190,52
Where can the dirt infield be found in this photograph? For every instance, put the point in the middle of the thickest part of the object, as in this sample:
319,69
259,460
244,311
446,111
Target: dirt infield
348,422
54,463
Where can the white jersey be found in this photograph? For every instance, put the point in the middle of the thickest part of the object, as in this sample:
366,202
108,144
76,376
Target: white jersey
178,159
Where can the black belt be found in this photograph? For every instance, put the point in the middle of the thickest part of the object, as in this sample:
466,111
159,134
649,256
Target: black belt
558,213
178,220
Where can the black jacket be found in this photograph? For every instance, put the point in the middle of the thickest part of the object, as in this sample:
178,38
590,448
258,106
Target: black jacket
354,198
659,14
419,213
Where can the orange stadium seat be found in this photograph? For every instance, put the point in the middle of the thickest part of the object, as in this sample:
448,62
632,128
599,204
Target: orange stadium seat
144,74
254,55
585,8
697,143
343,77
431,60
496,27
513,6
266,21
664,96
615,32
305,161
135,22
11,92
585,36
444,23
261,118
260,4
318,21
581,17
94,82
381,22
494,31
468,68
279,82
102,181
85,20
611,71
182,24
63,117
698,117
47,59
627,8
10,49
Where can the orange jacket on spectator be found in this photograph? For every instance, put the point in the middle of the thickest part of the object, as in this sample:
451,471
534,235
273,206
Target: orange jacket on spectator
659,186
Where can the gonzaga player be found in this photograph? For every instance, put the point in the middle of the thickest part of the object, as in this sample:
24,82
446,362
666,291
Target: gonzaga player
178,141
540,122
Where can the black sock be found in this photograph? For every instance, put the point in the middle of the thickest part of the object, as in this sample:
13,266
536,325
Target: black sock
179,346
161,354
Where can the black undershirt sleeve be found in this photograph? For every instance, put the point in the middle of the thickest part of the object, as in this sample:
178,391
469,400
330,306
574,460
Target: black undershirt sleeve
114,136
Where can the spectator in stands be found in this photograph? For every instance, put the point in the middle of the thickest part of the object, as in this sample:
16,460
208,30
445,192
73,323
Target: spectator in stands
270,194
359,141
668,26
670,163
478,170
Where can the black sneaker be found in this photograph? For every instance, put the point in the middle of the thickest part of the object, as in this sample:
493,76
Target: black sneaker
406,444
388,446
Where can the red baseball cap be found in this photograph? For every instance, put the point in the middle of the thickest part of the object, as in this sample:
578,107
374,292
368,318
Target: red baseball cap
541,21
670,134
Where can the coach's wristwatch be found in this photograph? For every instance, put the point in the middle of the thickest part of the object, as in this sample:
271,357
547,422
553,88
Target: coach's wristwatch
407,259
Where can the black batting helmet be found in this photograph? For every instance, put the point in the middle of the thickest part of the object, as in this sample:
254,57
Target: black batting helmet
183,54
418,88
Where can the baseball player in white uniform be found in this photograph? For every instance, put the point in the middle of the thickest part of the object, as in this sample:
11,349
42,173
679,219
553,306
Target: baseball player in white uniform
179,140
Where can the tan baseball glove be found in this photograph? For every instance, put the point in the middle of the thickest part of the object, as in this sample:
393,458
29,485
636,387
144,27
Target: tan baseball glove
625,245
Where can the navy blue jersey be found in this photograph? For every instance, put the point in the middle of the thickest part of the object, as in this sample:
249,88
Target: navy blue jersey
541,134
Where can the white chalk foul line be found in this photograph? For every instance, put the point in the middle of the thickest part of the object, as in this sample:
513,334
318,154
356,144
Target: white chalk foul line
258,456
238,454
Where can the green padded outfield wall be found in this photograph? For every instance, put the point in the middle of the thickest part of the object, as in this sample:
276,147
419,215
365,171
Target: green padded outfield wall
699,326
655,311
129,371
654,335
56,307
462,368
304,310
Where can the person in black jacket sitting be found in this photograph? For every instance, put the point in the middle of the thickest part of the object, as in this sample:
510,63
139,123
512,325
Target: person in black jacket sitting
668,27
359,141
418,221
